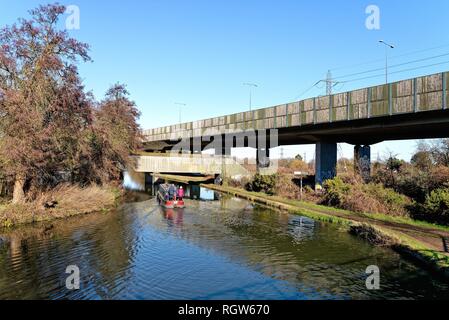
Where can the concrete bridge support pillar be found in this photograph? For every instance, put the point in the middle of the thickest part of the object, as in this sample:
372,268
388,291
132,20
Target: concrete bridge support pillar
362,161
263,157
149,182
222,145
325,162
195,192
263,149
223,151
195,146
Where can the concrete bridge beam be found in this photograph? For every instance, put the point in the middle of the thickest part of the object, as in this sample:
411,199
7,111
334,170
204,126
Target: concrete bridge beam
362,161
325,162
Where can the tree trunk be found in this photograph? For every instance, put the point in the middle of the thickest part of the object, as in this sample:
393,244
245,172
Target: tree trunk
18,193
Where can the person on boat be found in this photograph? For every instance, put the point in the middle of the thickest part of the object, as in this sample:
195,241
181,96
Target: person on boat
180,194
172,192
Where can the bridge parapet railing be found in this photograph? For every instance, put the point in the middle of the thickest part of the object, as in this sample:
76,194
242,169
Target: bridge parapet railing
379,101
340,110
293,114
322,108
308,113
358,106
429,92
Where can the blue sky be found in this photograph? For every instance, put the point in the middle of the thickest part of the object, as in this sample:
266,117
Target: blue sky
201,52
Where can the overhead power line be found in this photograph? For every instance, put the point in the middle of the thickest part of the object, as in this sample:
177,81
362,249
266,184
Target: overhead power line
335,80
392,57
371,77
307,90
396,72
393,66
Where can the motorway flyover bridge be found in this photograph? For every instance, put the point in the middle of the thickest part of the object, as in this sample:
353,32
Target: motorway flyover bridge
410,109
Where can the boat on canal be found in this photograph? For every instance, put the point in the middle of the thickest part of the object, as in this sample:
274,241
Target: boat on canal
167,197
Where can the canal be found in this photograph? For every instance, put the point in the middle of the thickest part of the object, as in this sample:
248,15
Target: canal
225,248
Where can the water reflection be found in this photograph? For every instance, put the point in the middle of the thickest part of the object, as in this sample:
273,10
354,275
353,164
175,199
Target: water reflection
174,217
133,180
226,249
33,259
206,194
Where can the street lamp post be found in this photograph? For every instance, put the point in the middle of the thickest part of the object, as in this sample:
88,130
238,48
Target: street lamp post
250,85
387,46
180,109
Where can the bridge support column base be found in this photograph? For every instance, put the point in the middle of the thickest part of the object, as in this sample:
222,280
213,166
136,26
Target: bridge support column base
263,157
362,161
195,146
263,149
195,192
325,163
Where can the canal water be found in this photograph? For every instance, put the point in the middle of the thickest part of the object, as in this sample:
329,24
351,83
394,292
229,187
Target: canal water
215,249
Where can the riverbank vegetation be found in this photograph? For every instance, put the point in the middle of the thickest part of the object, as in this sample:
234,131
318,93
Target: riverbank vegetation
61,202
418,190
56,140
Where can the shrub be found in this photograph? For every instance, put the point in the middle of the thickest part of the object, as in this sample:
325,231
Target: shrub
335,192
239,183
359,201
437,205
418,184
415,186
439,177
263,183
359,197
390,201
286,187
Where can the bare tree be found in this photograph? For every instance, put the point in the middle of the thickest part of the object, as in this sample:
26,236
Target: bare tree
117,134
42,102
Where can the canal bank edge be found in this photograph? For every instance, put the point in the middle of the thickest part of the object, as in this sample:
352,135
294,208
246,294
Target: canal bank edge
367,229
69,201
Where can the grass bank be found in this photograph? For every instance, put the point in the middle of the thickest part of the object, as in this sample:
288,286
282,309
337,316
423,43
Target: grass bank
421,240
62,202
